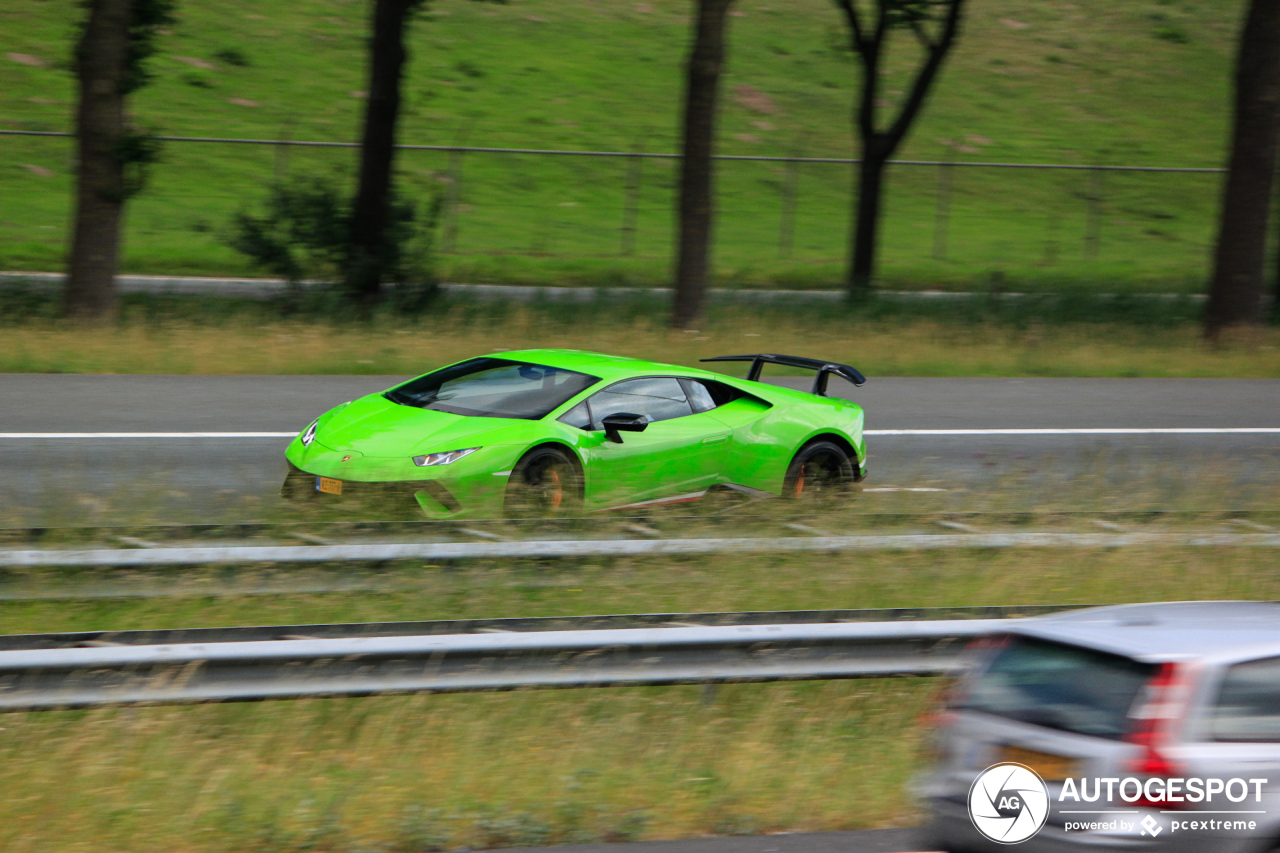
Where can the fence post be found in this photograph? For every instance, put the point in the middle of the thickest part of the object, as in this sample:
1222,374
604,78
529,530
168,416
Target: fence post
282,151
454,197
942,208
1051,241
631,204
1093,225
790,188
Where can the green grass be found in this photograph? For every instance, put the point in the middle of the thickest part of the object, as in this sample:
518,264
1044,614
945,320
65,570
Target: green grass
1092,82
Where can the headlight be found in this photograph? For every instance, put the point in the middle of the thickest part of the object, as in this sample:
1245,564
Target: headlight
310,435
442,458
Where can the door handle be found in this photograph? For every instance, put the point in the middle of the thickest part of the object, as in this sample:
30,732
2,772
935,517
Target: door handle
713,440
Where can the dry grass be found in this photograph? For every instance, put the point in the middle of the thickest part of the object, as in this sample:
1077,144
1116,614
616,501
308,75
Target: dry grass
423,773
921,347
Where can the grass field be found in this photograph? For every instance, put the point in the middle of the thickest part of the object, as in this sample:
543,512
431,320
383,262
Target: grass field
1143,83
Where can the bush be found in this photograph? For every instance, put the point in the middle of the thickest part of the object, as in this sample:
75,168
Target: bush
304,235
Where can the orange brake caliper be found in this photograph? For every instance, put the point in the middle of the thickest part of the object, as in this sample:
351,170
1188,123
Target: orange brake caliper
557,491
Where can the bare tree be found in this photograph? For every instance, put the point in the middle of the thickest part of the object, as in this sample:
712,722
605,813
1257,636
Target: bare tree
935,24
697,203
1236,290
387,56
116,38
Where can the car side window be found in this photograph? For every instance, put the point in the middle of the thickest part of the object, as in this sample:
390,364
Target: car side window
579,416
1248,705
699,397
658,398
707,394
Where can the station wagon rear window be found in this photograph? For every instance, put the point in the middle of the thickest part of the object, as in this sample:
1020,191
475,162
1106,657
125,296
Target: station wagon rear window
493,388
1058,686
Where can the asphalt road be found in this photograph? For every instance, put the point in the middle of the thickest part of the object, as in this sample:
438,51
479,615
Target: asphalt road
198,469
867,841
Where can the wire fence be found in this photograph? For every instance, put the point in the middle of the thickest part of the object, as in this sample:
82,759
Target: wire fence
619,204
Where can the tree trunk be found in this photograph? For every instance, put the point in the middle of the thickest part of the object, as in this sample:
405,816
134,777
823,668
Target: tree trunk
696,206
101,64
377,149
1275,269
866,217
1235,293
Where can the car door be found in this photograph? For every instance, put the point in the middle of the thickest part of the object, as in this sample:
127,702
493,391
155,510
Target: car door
679,453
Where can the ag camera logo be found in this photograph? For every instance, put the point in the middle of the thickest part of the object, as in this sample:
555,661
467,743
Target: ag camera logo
1008,803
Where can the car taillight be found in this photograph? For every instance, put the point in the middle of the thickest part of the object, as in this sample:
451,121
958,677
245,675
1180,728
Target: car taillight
1163,700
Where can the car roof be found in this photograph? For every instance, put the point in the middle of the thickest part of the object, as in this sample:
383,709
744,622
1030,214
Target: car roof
1222,631
600,364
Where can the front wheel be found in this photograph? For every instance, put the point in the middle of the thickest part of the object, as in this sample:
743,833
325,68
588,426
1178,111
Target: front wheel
546,482
820,473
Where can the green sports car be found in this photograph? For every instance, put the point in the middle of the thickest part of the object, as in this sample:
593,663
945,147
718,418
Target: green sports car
552,431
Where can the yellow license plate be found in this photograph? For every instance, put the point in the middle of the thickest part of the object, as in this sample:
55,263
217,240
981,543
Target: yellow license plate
328,485
1050,767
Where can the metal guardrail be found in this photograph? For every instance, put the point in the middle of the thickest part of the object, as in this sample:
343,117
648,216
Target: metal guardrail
267,288
429,526
528,624
224,667
213,555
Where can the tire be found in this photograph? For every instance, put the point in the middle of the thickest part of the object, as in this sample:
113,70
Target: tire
546,483
820,473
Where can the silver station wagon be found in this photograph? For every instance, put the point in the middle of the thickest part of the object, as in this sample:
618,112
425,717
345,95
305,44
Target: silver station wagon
1151,727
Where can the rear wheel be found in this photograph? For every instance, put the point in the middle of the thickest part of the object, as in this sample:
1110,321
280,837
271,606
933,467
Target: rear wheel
821,472
546,482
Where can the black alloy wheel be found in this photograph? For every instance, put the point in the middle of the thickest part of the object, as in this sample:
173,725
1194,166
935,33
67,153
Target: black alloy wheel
820,473
545,483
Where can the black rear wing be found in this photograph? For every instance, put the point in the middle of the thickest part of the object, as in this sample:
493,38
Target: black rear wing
825,368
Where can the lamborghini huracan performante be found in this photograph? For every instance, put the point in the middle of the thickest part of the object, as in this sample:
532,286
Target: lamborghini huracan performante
549,431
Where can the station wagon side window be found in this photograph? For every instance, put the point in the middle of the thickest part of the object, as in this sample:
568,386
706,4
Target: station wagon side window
1247,709
660,398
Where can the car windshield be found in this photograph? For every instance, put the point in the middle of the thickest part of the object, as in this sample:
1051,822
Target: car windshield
493,388
1060,687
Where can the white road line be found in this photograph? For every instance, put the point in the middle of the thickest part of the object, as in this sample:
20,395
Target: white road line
870,432
4,435
1084,431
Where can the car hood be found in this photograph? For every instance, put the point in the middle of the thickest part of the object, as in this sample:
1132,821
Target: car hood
375,426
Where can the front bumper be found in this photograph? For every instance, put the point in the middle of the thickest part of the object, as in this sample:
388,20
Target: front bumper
431,496
472,486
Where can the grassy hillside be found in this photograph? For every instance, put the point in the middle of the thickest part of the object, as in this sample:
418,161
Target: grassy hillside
1143,83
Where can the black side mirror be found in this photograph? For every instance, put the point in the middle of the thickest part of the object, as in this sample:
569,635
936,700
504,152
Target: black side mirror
621,422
